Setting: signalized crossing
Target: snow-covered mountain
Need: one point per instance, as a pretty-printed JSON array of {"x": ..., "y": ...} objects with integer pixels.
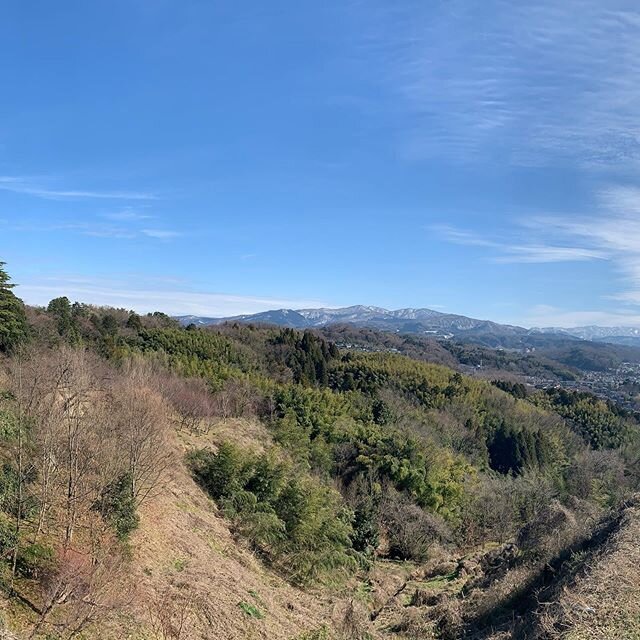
[
  {"x": 616, "y": 335},
  {"x": 430, "y": 323},
  {"x": 410, "y": 320}
]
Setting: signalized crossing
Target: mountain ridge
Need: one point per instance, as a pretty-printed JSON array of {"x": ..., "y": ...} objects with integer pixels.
[
  {"x": 425, "y": 321},
  {"x": 407, "y": 320},
  {"x": 354, "y": 313}
]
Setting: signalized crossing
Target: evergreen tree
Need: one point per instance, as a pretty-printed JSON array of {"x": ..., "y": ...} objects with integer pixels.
[
  {"x": 13, "y": 320},
  {"x": 118, "y": 506},
  {"x": 62, "y": 310},
  {"x": 109, "y": 325},
  {"x": 134, "y": 322}
]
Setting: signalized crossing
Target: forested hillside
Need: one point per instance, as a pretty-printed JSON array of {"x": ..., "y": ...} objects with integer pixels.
[{"x": 241, "y": 481}]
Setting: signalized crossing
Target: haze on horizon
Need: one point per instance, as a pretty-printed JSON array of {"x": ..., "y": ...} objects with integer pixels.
[{"x": 219, "y": 160}]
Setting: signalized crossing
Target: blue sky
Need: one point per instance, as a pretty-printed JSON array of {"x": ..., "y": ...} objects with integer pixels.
[{"x": 220, "y": 158}]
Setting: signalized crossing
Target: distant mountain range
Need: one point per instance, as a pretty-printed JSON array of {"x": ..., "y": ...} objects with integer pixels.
[
  {"x": 615, "y": 335},
  {"x": 405, "y": 320},
  {"x": 428, "y": 322}
]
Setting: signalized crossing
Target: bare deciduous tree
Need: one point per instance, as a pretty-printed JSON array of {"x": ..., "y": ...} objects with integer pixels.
[{"x": 80, "y": 588}]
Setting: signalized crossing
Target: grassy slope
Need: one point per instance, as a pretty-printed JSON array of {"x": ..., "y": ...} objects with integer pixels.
[
  {"x": 184, "y": 545},
  {"x": 187, "y": 568},
  {"x": 603, "y": 601}
]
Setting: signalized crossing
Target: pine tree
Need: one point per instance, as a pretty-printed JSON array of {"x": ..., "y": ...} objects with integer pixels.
[
  {"x": 61, "y": 310},
  {"x": 13, "y": 320}
]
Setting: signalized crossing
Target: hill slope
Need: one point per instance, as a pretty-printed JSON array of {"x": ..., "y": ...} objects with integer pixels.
[
  {"x": 601, "y": 601},
  {"x": 189, "y": 565}
]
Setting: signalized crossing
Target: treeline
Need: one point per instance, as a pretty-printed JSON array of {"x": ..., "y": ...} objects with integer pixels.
[{"x": 421, "y": 429}]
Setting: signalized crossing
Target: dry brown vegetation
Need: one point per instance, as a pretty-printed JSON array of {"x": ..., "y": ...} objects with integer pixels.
[
  {"x": 583, "y": 584},
  {"x": 191, "y": 571},
  {"x": 87, "y": 430},
  {"x": 182, "y": 574},
  {"x": 602, "y": 600}
]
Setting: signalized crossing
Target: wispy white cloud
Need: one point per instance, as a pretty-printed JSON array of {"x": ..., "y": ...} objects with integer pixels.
[
  {"x": 611, "y": 232},
  {"x": 160, "y": 234},
  {"x": 541, "y": 254},
  {"x": 27, "y": 186},
  {"x": 614, "y": 230},
  {"x": 98, "y": 229},
  {"x": 171, "y": 301},
  {"x": 462, "y": 236},
  {"x": 550, "y": 316},
  {"x": 536, "y": 83},
  {"x": 506, "y": 251},
  {"x": 127, "y": 215}
]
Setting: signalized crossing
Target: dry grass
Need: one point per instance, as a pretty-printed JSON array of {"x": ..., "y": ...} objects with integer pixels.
[
  {"x": 603, "y": 602},
  {"x": 243, "y": 432},
  {"x": 185, "y": 556}
]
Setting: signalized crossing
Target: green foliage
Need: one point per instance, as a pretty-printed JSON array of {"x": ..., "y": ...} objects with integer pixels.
[
  {"x": 251, "y": 610},
  {"x": 8, "y": 537},
  {"x": 511, "y": 449},
  {"x": 457, "y": 454},
  {"x": 109, "y": 325},
  {"x": 366, "y": 528},
  {"x": 11, "y": 501},
  {"x": 117, "y": 506},
  {"x": 307, "y": 356},
  {"x": 34, "y": 559},
  {"x": 14, "y": 329},
  {"x": 66, "y": 317},
  {"x": 422, "y": 429},
  {"x": 364, "y": 440},
  {"x": 516, "y": 389},
  {"x": 287, "y": 515},
  {"x": 598, "y": 421},
  {"x": 192, "y": 353},
  {"x": 429, "y": 385},
  {"x": 134, "y": 322},
  {"x": 9, "y": 488},
  {"x": 303, "y": 416},
  {"x": 380, "y": 412},
  {"x": 8, "y": 424}
]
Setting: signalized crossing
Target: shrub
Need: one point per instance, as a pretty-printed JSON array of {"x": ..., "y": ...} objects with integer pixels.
[
  {"x": 411, "y": 531},
  {"x": 251, "y": 610},
  {"x": 289, "y": 516},
  {"x": 489, "y": 513},
  {"x": 35, "y": 559},
  {"x": 117, "y": 506},
  {"x": 8, "y": 536}
]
